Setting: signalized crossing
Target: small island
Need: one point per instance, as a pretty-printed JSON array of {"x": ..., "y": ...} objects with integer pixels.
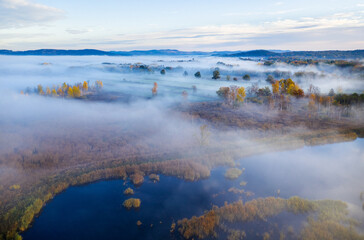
[
  {"x": 129, "y": 191},
  {"x": 233, "y": 173},
  {"x": 132, "y": 203}
]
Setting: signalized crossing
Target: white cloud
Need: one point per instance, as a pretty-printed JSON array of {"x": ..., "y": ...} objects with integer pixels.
[
  {"x": 238, "y": 36},
  {"x": 23, "y": 13},
  {"x": 78, "y": 31}
]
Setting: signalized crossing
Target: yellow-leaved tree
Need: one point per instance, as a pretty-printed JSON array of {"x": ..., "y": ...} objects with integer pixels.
[
  {"x": 76, "y": 91},
  {"x": 240, "y": 96},
  {"x": 48, "y": 91},
  {"x": 60, "y": 92},
  {"x": 85, "y": 86},
  {"x": 275, "y": 87},
  {"x": 70, "y": 92},
  {"x": 64, "y": 87},
  {"x": 54, "y": 93},
  {"x": 40, "y": 90}
]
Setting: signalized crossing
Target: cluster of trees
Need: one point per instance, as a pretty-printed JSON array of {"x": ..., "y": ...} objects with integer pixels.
[
  {"x": 233, "y": 95},
  {"x": 66, "y": 90},
  {"x": 154, "y": 177},
  {"x": 330, "y": 218},
  {"x": 132, "y": 203},
  {"x": 129, "y": 191}
]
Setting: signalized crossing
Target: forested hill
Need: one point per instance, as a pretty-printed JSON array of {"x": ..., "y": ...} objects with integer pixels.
[{"x": 354, "y": 54}]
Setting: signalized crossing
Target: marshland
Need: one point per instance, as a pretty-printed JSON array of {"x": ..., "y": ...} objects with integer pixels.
[{"x": 210, "y": 147}]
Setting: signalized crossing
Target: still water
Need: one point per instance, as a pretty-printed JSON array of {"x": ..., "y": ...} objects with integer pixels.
[{"x": 95, "y": 211}]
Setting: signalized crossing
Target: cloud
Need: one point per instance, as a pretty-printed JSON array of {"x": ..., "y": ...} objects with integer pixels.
[
  {"x": 78, "y": 31},
  {"x": 319, "y": 31},
  {"x": 23, "y": 13}
]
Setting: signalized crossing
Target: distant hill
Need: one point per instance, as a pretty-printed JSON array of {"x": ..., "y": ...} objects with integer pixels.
[{"x": 355, "y": 54}]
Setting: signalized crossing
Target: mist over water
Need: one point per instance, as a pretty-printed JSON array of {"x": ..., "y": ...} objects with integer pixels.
[
  {"x": 125, "y": 120},
  {"x": 320, "y": 172}
]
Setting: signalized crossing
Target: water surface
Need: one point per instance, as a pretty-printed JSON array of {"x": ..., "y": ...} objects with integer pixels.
[{"x": 95, "y": 211}]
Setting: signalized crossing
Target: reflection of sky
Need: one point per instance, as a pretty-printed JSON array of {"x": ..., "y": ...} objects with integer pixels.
[
  {"x": 94, "y": 211},
  {"x": 322, "y": 172}
]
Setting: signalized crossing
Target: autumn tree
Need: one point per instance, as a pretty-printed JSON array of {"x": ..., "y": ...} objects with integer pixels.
[
  {"x": 70, "y": 92},
  {"x": 64, "y": 87},
  {"x": 275, "y": 88},
  {"x": 155, "y": 89},
  {"x": 40, "y": 90},
  {"x": 85, "y": 86},
  {"x": 99, "y": 84},
  {"x": 60, "y": 92},
  {"x": 240, "y": 94},
  {"x": 76, "y": 91},
  {"x": 48, "y": 91},
  {"x": 54, "y": 93}
]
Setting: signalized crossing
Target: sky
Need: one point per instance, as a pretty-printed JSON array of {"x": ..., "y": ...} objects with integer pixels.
[{"x": 199, "y": 25}]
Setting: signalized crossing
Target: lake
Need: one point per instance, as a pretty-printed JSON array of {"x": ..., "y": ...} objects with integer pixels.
[{"x": 95, "y": 211}]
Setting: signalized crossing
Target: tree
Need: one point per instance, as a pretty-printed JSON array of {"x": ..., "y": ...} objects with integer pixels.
[
  {"x": 70, "y": 92},
  {"x": 60, "y": 92},
  {"x": 155, "y": 89},
  {"x": 246, "y": 77},
  {"x": 264, "y": 92},
  {"x": 198, "y": 75},
  {"x": 85, "y": 86},
  {"x": 223, "y": 92},
  {"x": 216, "y": 74},
  {"x": 270, "y": 79},
  {"x": 99, "y": 84},
  {"x": 40, "y": 90},
  {"x": 76, "y": 91},
  {"x": 64, "y": 87},
  {"x": 332, "y": 92},
  {"x": 54, "y": 93},
  {"x": 48, "y": 91},
  {"x": 241, "y": 94},
  {"x": 275, "y": 87}
]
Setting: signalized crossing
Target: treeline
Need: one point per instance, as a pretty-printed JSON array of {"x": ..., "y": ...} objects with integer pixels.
[
  {"x": 285, "y": 95},
  {"x": 66, "y": 90},
  {"x": 325, "y": 218}
]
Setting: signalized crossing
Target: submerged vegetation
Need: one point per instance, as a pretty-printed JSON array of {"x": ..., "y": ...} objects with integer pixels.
[
  {"x": 233, "y": 173},
  {"x": 331, "y": 221}
]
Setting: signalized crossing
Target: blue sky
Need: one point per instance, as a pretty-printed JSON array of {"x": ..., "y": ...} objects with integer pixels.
[{"x": 205, "y": 25}]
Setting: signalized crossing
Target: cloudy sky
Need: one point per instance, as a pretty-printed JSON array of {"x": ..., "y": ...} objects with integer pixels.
[{"x": 205, "y": 25}]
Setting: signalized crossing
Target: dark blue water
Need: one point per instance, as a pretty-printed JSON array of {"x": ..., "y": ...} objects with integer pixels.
[{"x": 95, "y": 211}]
